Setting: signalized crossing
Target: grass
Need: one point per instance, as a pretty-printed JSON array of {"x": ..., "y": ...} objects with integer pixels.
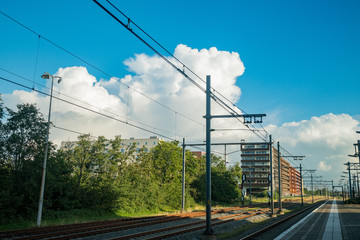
[
  {"x": 62, "y": 218},
  {"x": 88, "y": 215}
]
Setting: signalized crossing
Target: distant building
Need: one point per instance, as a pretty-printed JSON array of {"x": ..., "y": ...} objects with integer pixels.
[
  {"x": 255, "y": 160},
  {"x": 198, "y": 154},
  {"x": 139, "y": 143},
  {"x": 295, "y": 182}
]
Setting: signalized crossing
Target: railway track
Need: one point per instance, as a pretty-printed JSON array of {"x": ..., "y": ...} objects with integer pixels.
[
  {"x": 156, "y": 227},
  {"x": 278, "y": 222}
]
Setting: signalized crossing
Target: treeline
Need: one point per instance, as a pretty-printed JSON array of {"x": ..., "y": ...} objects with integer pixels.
[{"x": 95, "y": 174}]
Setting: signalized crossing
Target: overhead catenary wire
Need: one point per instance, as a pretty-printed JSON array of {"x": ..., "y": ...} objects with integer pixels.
[
  {"x": 69, "y": 130},
  {"x": 36, "y": 60},
  {"x": 213, "y": 95},
  {"x": 97, "y": 68},
  {"x": 55, "y": 91},
  {"x": 90, "y": 110},
  {"x": 215, "y": 98},
  {"x": 81, "y": 133},
  {"x": 88, "y": 104},
  {"x": 168, "y": 52}
]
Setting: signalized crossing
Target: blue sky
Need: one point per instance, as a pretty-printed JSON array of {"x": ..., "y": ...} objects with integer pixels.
[
  {"x": 301, "y": 58},
  {"x": 306, "y": 49}
]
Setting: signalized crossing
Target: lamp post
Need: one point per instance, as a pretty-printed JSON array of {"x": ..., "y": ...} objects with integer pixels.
[{"x": 45, "y": 76}]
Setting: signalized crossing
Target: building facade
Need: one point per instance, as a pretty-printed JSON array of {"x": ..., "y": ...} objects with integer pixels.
[
  {"x": 295, "y": 182},
  {"x": 198, "y": 154},
  {"x": 255, "y": 163}
]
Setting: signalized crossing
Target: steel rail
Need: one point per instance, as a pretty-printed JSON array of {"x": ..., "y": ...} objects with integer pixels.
[{"x": 271, "y": 226}]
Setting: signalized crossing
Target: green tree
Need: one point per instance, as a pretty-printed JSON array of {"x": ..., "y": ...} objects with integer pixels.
[
  {"x": 22, "y": 151},
  {"x": 81, "y": 160},
  {"x": 236, "y": 172},
  {"x": 25, "y": 132},
  {"x": 224, "y": 183}
]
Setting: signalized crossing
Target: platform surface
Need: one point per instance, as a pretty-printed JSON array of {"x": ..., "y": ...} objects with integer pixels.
[{"x": 332, "y": 220}]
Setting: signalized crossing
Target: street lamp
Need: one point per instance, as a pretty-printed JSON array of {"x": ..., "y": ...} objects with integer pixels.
[{"x": 45, "y": 76}]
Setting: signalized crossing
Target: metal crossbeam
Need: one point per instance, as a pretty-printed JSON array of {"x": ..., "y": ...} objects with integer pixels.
[
  {"x": 230, "y": 143},
  {"x": 248, "y": 118}
]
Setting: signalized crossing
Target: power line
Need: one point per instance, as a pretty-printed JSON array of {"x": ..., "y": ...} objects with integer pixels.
[
  {"x": 213, "y": 95},
  {"x": 68, "y": 130},
  {"x": 115, "y": 114},
  {"x": 97, "y": 68},
  {"x": 168, "y": 52},
  {"x": 215, "y": 98},
  {"x": 127, "y": 26},
  {"x": 88, "y": 109}
]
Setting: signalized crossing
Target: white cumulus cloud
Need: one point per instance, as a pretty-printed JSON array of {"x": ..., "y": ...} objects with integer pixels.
[
  {"x": 151, "y": 81},
  {"x": 324, "y": 140},
  {"x": 324, "y": 167}
]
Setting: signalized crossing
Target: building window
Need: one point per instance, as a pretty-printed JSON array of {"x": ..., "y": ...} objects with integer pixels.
[{"x": 248, "y": 146}]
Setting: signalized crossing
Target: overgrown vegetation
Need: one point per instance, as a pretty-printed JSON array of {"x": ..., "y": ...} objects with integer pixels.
[{"x": 95, "y": 176}]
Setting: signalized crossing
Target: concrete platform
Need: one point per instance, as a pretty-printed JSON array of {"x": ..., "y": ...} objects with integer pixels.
[
  {"x": 332, "y": 220},
  {"x": 349, "y": 220}
]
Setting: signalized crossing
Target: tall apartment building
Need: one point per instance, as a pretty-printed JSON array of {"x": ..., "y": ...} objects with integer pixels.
[
  {"x": 295, "y": 182},
  {"x": 255, "y": 160}
]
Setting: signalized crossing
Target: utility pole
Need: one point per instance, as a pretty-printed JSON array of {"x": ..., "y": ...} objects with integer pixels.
[
  {"x": 301, "y": 182},
  {"x": 350, "y": 188},
  {"x": 208, "y": 230},
  {"x": 299, "y": 158},
  {"x": 183, "y": 179},
  {"x": 351, "y": 193},
  {"x": 272, "y": 180},
  {"x": 250, "y": 186},
  {"x": 357, "y": 178},
  {"x": 311, "y": 171},
  {"x": 354, "y": 185},
  {"x": 312, "y": 188},
  {"x": 248, "y": 118},
  {"x": 225, "y": 155},
  {"x": 279, "y": 174},
  {"x": 326, "y": 193}
]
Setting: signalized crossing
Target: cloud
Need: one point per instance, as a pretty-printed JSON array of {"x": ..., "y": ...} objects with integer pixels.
[
  {"x": 324, "y": 167},
  {"x": 151, "y": 81},
  {"x": 325, "y": 140},
  {"x": 330, "y": 129}
]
